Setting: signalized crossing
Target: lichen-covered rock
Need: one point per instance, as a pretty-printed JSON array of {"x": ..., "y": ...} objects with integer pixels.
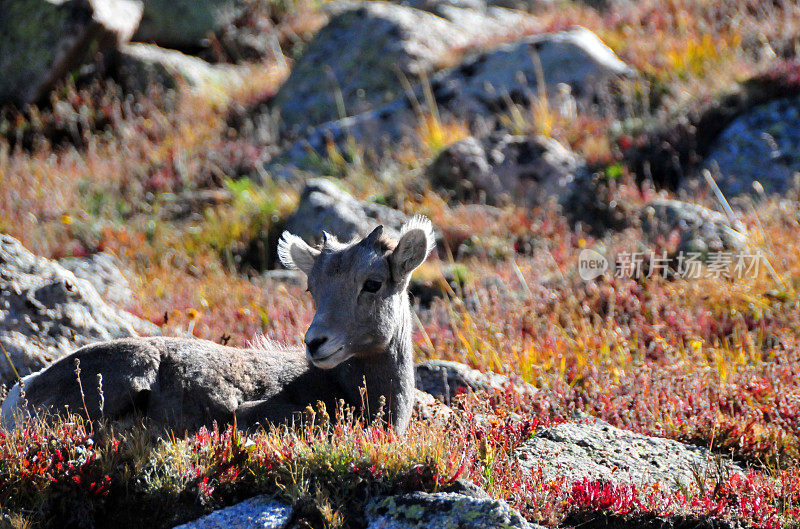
[
  {"x": 595, "y": 450},
  {"x": 42, "y": 40},
  {"x": 261, "y": 512},
  {"x": 183, "y": 24},
  {"x": 502, "y": 168},
  {"x": 701, "y": 230},
  {"x": 445, "y": 379},
  {"x": 762, "y": 145},
  {"x": 442, "y": 509},
  {"x": 104, "y": 272},
  {"x": 324, "y": 206},
  {"x": 362, "y": 55},
  {"x": 46, "y": 312},
  {"x": 140, "y": 66}
]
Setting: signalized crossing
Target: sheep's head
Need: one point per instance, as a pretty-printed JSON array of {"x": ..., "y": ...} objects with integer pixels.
[{"x": 359, "y": 289}]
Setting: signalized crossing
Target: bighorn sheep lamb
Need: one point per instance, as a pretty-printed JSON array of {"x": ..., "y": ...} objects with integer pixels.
[{"x": 361, "y": 333}]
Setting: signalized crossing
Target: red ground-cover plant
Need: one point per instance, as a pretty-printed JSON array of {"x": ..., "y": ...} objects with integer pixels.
[{"x": 752, "y": 498}]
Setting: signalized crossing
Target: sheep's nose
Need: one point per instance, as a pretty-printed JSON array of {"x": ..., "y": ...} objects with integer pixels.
[{"x": 314, "y": 344}]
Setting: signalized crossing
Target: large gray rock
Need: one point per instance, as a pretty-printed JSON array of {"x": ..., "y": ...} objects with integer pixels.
[
  {"x": 700, "y": 229},
  {"x": 141, "y": 65},
  {"x": 595, "y": 450},
  {"x": 762, "y": 145},
  {"x": 444, "y": 379},
  {"x": 576, "y": 58},
  {"x": 260, "y": 512},
  {"x": 46, "y": 312},
  {"x": 366, "y": 50},
  {"x": 420, "y": 510},
  {"x": 502, "y": 168},
  {"x": 43, "y": 40},
  {"x": 324, "y": 206},
  {"x": 479, "y": 90},
  {"x": 104, "y": 272},
  {"x": 183, "y": 24}
]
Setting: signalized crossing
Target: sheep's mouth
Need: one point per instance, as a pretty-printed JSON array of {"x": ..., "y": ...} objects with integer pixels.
[{"x": 317, "y": 360}]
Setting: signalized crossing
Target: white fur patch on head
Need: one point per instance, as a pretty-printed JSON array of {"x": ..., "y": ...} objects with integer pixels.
[
  {"x": 295, "y": 254},
  {"x": 419, "y": 222},
  {"x": 415, "y": 244},
  {"x": 285, "y": 250}
]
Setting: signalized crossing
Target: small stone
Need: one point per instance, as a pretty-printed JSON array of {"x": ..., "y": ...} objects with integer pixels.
[
  {"x": 324, "y": 206},
  {"x": 700, "y": 229},
  {"x": 445, "y": 379},
  {"x": 442, "y": 509},
  {"x": 261, "y": 512},
  {"x": 524, "y": 170}
]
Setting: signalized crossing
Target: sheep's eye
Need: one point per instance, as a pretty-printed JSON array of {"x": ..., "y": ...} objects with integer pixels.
[{"x": 372, "y": 286}]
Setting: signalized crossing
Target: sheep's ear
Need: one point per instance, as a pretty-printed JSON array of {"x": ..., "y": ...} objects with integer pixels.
[
  {"x": 416, "y": 242},
  {"x": 294, "y": 253}
]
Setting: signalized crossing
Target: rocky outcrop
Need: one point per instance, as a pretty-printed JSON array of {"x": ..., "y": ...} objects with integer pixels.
[
  {"x": 46, "y": 312},
  {"x": 261, "y": 512},
  {"x": 761, "y": 145},
  {"x": 104, "y": 272},
  {"x": 480, "y": 89},
  {"x": 45, "y": 40},
  {"x": 676, "y": 149},
  {"x": 361, "y": 58},
  {"x": 700, "y": 229},
  {"x": 501, "y": 169},
  {"x": 595, "y": 450},
  {"x": 445, "y": 379},
  {"x": 140, "y": 66},
  {"x": 420, "y": 510},
  {"x": 576, "y": 58},
  {"x": 183, "y": 24},
  {"x": 474, "y": 510},
  {"x": 324, "y": 206}
]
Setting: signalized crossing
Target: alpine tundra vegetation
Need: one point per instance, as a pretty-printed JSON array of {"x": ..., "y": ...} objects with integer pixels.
[{"x": 607, "y": 334}]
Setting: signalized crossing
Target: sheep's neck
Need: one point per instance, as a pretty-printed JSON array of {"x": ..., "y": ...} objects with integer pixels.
[{"x": 389, "y": 374}]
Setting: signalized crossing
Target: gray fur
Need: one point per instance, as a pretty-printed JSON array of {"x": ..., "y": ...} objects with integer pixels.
[{"x": 182, "y": 384}]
